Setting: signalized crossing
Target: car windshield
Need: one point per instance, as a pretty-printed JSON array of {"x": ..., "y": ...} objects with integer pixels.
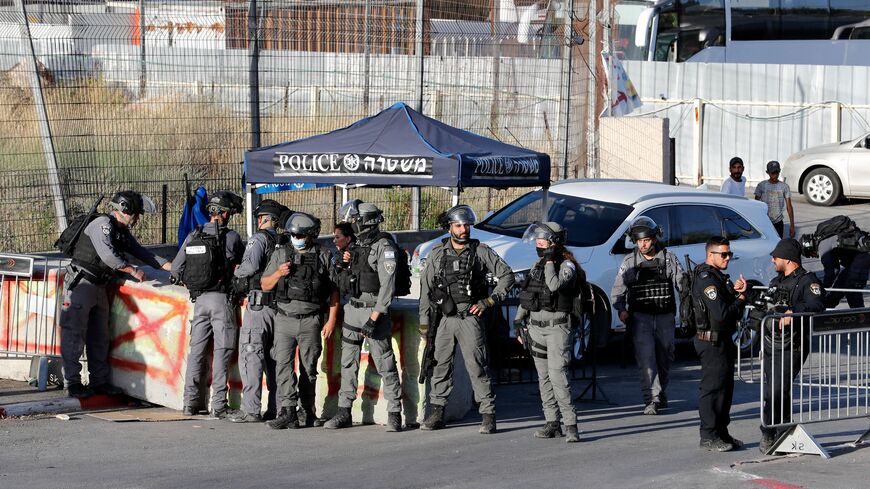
[{"x": 589, "y": 222}]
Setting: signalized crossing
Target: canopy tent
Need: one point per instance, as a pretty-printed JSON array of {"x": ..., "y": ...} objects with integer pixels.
[{"x": 397, "y": 147}]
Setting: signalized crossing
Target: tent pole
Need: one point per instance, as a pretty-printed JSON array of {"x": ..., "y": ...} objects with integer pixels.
[
  {"x": 249, "y": 210},
  {"x": 544, "y": 204},
  {"x": 344, "y": 195},
  {"x": 454, "y": 199}
]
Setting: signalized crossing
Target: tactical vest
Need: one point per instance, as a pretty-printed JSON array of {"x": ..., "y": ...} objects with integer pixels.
[
  {"x": 782, "y": 301},
  {"x": 652, "y": 292},
  {"x": 308, "y": 280},
  {"x": 206, "y": 267},
  {"x": 86, "y": 258},
  {"x": 464, "y": 274},
  {"x": 363, "y": 278},
  {"x": 271, "y": 241},
  {"x": 723, "y": 288},
  {"x": 536, "y": 296}
]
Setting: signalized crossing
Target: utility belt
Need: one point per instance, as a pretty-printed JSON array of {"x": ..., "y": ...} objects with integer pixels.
[
  {"x": 297, "y": 316},
  {"x": 362, "y": 304},
  {"x": 551, "y": 322},
  {"x": 708, "y": 336},
  {"x": 80, "y": 272},
  {"x": 258, "y": 299}
]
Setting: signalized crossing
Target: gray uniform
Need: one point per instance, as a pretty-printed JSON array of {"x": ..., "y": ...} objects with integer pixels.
[
  {"x": 553, "y": 340},
  {"x": 214, "y": 317},
  {"x": 652, "y": 334},
  {"x": 356, "y": 312},
  {"x": 463, "y": 327},
  {"x": 255, "y": 337},
  {"x": 84, "y": 316},
  {"x": 297, "y": 326}
]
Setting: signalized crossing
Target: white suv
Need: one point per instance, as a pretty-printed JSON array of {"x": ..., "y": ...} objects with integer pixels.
[{"x": 597, "y": 214}]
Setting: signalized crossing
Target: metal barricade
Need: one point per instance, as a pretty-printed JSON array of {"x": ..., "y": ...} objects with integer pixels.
[
  {"x": 814, "y": 368},
  {"x": 30, "y": 301}
]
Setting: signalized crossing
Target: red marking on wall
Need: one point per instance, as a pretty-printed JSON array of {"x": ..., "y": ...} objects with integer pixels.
[{"x": 25, "y": 325}]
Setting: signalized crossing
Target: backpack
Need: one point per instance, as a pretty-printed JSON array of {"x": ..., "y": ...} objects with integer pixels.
[
  {"x": 835, "y": 226},
  {"x": 206, "y": 264},
  {"x": 66, "y": 243},
  {"x": 242, "y": 286},
  {"x": 582, "y": 303},
  {"x": 687, "y": 302},
  {"x": 403, "y": 268}
]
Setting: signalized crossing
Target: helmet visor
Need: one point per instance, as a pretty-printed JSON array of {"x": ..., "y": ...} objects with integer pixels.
[
  {"x": 537, "y": 231},
  {"x": 462, "y": 214},
  {"x": 148, "y": 205},
  {"x": 348, "y": 212}
]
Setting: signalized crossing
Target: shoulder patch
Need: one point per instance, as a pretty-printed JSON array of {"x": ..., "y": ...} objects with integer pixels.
[
  {"x": 815, "y": 289},
  {"x": 704, "y": 274},
  {"x": 106, "y": 228},
  {"x": 389, "y": 255},
  {"x": 710, "y": 292},
  {"x": 570, "y": 264},
  {"x": 390, "y": 266}
]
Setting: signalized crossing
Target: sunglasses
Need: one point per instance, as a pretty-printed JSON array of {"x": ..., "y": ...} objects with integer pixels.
[
  {"x": 299, "y": 236},
  {"x": 723, "y": 254}
]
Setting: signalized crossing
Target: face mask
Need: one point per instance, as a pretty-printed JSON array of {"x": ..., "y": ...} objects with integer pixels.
[
  {"x": 541, "y": 251},
  {"x": 299, "y": 244}
]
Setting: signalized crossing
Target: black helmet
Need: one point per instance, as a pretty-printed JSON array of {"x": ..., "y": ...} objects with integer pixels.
[
  {"x": 225, "y": 201},
  {"x": 362, "y": 216},
  {"x": 269, "y": 207},
  {"x": 302, "y": 223},
  {"x": 462, "y": 214},
  {"x": 643, "y": 227},
  {"x": 132, "y": 203},
  {"x": 551, "y": 231}
]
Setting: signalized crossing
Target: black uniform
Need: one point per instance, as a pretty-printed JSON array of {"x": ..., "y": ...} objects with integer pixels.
[
  {"x": 717, "y": 309},
  {"x": 801, "y": 292}
]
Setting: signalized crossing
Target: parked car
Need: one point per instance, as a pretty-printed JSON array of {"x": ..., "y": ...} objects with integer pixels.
[
  {"x": 597, "y": 214},
  {"x": 825, "y": 174}
]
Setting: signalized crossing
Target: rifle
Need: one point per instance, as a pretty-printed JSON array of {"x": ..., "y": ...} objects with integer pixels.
[
  {"x": 75, "y": 237},
  {"x": 427, "y": 365}
]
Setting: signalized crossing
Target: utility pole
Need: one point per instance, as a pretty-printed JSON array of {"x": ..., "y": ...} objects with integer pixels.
[{"x": 42, "y": 119}]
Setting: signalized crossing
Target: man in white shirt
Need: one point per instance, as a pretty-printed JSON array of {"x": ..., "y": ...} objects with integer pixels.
[{"x": 736, "y": 183}]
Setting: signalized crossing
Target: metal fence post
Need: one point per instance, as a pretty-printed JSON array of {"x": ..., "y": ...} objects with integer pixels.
[
  {"x": 418, "y": 39},
  {"x": 254, "y": 72},
  {"x": 698, "y": 140},
  {"x": 143, "y": 69},
  {"x": 592, "y": 95},
  {"x": 42, "y": 119}
]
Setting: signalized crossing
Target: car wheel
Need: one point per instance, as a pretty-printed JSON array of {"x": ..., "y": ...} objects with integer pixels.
[{"x": 822, "y": 187}]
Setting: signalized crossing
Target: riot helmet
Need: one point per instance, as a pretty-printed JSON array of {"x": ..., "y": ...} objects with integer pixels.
[
  {"x": 132, "y": 203},
  {"x": 269, "y": 207},
  {"x": 362, "y": 216},
  {"x": 300, "y": 223},
  {"x": 643, "y": 227},
  {"x": 461, "y": 214},
  {"x": 224, "y": 201},
  {"x": 550, "y": 231}
]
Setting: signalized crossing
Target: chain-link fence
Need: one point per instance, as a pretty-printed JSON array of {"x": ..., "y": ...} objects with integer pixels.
[{"x": 97, "y": 96}]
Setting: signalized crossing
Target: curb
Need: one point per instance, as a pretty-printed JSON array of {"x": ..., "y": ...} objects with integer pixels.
[{"x": 60, "y": 405}]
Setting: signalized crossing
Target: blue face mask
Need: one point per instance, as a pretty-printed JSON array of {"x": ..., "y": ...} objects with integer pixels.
[{"x": 299, "y": 244}]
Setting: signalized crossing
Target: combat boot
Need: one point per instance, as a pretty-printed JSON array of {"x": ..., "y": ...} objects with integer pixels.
[
  {"x": 308, "y": 418},
  {"x": 550, "y": 430},
  {"x": 768, "y": 438},
  {"x": 487, "y": 426},
  {"x": 287, "y": 418},
  {"x": 394, "y": 422},
  {"x": 571, "y": 435},
  {"x": 342, "y": 419},
  {"x": 79, "y": 391},
  {"x": 435, "y": 420}
]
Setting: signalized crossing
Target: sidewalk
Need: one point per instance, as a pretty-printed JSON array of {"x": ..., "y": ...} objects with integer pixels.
[{"x": 21, "y": 399}]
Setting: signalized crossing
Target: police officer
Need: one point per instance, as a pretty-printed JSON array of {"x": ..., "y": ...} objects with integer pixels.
[
  {"x": 97, "y": 259},
  {"x": 643, "y": 294},
  {"x": 547, "y": 302},
  {"x": 298, "y": 277},
  {"x": 454, "y": 279},
  {"x": 205, "y": 264},
  {"x": 718, "y": 306},
  {"x": 255, "y": 337},
  {"x": 367, "y": 274},
  {"x": 800, "y": 292},
  {"x": 844, "y": 269}
]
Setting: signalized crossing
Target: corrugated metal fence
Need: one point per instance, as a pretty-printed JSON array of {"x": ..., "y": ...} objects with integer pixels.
[{"x": 757, "y": 112}]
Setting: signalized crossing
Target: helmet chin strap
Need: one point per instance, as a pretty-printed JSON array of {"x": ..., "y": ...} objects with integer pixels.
[{"x": 458, "y": 240}]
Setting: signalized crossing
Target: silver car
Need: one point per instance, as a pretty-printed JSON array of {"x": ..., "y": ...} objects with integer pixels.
[{"x": 825, "y": 174}]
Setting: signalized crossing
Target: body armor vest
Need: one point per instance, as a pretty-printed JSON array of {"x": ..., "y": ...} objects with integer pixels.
[
  {"x": 652, "y": 292},
  {"x": 536, "y": 296},
  {"x": 363, "y": 278},
  {"x": 308, "y": 280},
  {"x": 464, "y": 275},
  {"x": 86, "y": 258},
  {"x": 271, "y": 240}
]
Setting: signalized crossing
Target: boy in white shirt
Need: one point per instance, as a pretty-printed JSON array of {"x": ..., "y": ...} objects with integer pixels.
[{"x": 736, "y": 183}]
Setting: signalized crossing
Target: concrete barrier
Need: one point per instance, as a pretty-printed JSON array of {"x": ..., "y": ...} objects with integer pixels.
[{"x": 149, "y": 323}]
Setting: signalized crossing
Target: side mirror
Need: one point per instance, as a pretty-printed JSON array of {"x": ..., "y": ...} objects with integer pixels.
[
  {"x": 641, "y": 33},
  {"x": 867, "y": 142},
  {"x": 623, "y": 246}
]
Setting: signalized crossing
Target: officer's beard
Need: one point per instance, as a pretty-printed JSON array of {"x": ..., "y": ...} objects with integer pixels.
[{"x": 461, "y": 240}]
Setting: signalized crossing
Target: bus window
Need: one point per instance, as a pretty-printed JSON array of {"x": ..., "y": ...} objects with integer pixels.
[
  {"x": 755, "y": 20},
  {"x": 804, "y": 19},
  {"x": 688, "y": 26},
  {"x": 845, "y": 12}
]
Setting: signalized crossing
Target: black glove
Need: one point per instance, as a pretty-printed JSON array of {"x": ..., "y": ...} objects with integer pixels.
[
  {"x": 549, "y": 254},
  {"x": 368, "y": 329}
]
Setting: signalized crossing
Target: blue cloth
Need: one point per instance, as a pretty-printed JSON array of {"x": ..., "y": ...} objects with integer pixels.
[
  {"x": 398, "y": 146},
  {"x": 194, "y": 213}
]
